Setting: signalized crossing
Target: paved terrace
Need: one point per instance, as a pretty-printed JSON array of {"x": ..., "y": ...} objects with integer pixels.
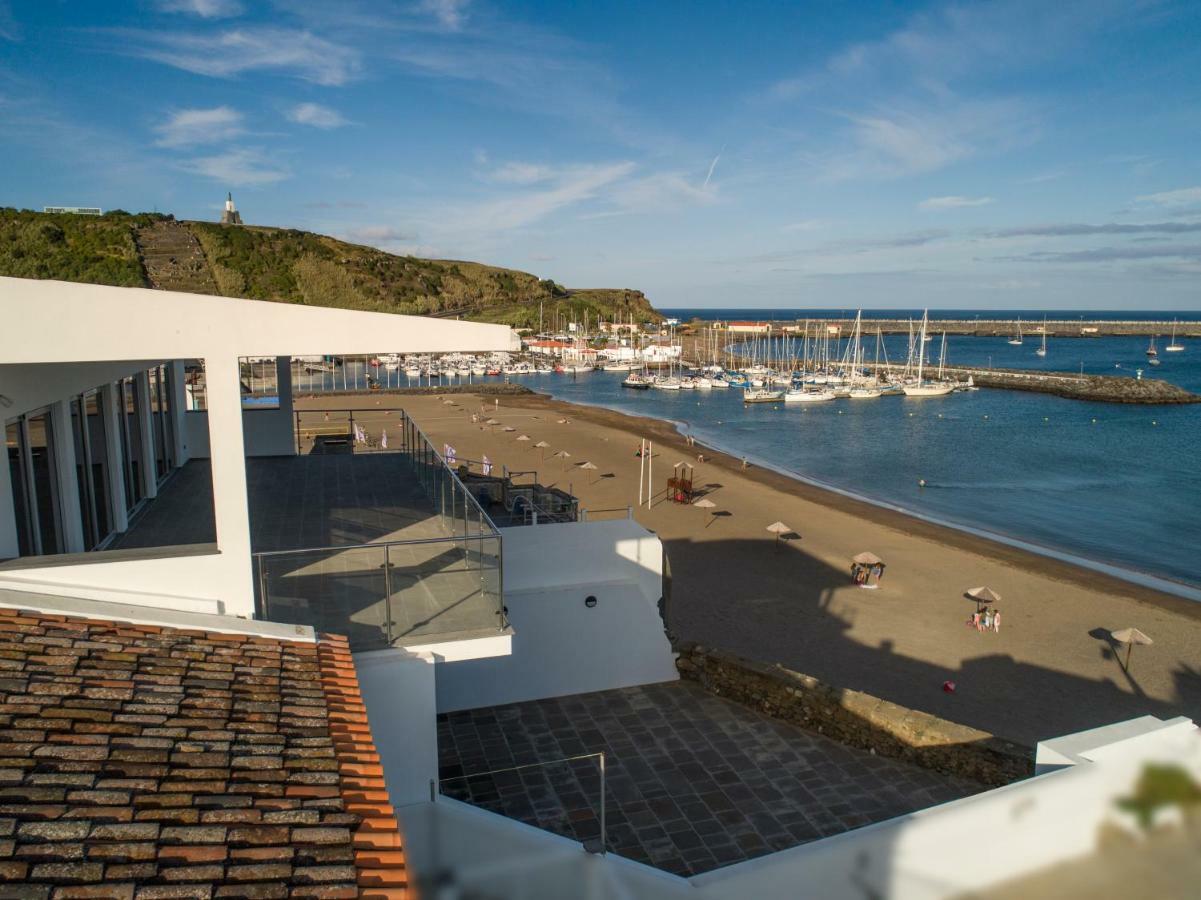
[
  {"x": 337, "y": 500},
  {"x": 695, "y": 782}
]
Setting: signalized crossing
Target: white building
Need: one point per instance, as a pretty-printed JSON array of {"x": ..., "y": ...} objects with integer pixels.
[{"x": 102, "y": 448}]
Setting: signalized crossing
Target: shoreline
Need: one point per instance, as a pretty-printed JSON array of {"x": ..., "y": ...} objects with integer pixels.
[{"x": 1056, "y": 564}]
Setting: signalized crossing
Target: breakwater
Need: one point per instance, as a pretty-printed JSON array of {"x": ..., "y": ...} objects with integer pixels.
[
  {"x": 1099, "y": 388},
  {"x": 993, "y": 327}
]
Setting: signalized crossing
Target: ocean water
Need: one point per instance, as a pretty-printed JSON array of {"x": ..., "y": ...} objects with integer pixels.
[
  {"x": 686, "y": 314},
  {"x": 1118, "y": 485}
]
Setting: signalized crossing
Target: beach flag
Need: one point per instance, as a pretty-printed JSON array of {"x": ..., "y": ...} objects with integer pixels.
[
  {"x": 487, "y": 465},
  {"x": 450, "y": 455},
  {"x": 383, "y": 439}
]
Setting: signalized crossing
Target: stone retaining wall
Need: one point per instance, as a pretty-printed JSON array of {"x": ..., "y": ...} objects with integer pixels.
[{"x": 858, "y": 719}]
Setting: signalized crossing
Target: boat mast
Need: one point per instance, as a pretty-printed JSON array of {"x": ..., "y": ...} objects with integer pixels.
[{"x": 921, "y": 347}]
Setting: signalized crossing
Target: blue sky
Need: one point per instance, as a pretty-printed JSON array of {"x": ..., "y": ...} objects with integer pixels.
[{"x": 1012, "y": 154}]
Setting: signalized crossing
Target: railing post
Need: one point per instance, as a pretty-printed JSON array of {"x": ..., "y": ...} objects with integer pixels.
[
  {"x": 603, "y": 834},
  {"x": 388, "y": 594}
]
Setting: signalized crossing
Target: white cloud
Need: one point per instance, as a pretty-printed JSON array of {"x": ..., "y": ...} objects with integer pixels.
[
  {"x": 229, "y": 53},
  {"x": 954, "y": 202},
  {"x": 449, "y": 13},
  {"x": 804, "y": 225},
  {"x": 316, "y": 115},
  {"x": 568, "y": 186},
  {"x": 240, "y": 167},
  {"x": 206, "y": 9},
  {"x": 519, "y": 172},
  {"x": 189, "y": 127},
  {"x": 661, "y": 192},
  {"x": 1180, "y": 197}
]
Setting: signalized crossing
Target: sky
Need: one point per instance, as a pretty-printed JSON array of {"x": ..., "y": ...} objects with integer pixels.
[{"x": 803, "y": 154}]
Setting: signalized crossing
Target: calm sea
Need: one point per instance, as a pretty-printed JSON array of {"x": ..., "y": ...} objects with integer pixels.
[
  {"x": 1118, "y": 485},
  {"x": 685, "y": 314}
]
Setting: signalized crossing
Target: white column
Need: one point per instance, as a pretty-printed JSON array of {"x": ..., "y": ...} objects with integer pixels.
[
  {"x": 227, "y": 454},
  {"x": 178, "y": 411},
  {"x": 283, "y": 378},
  {"x": 111, "y": 400},
  {"x": 149, "y": 456},
  {"x": 68, "y": 482}
]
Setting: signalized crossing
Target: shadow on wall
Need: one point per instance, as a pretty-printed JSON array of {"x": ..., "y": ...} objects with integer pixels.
[{"x": 787, "y": 619}]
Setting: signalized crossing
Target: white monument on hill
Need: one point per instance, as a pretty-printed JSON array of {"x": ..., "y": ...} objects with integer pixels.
[{"x": 230, "y": 216}]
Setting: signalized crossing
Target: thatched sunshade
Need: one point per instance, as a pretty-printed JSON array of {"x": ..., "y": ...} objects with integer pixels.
[
  {"x": 867, "y": 559},
  {"x": 1130, "y": 637},
  {"x": 779, "y": 529},
  {"x": 983, "y": 596}
]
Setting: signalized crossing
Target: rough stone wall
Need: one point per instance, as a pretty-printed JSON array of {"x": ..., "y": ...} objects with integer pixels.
[{"x": 858, "y": 719}]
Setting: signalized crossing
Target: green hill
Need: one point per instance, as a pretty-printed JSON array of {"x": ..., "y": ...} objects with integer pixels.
[{"x": 289, "y": 266}]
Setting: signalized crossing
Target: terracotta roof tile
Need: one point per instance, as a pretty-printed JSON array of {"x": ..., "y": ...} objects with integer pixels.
[{"x": 146, "y": 763}]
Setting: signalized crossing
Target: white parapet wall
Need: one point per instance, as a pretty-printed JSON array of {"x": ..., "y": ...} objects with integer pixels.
[{"x": 583, "y": 602}]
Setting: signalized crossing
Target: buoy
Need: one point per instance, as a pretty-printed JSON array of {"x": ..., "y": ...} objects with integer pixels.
[
  {"x": 911, "y": 415},
  {"x": 986, "y": 417},
  {"x": 921, "y": 482},
  {"x": 940, "y": 415},
  {"x": 948, "y": 687},
  {"x": 1046, "y": 419},
  {"x": 1153, "y": 422},
  {"x": 840, "y": 412},
  {"x": 1094, "y": 421}
]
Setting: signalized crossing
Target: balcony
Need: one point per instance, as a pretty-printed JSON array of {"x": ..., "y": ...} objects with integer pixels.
[{"x": 384, "y": 544}]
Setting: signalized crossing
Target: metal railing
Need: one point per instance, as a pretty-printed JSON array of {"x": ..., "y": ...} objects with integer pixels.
[
  {"x": 395, "y": 592},
  {"x": 477, "y": 786}
]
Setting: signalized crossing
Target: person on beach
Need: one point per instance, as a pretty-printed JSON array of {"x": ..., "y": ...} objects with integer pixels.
[
  {"x": 996, "y": 621},
  {"x": 988, "y": 620},
  {"x": 744, "y": 462},
  {"x": 976, "y": 620}
]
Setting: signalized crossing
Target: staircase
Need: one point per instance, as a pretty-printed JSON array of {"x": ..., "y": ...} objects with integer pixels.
[{"x": 173, "y": 259}]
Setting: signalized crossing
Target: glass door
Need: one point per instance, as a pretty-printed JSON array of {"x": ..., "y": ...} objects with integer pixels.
[
  {"x": 131, "y": 442},
  {"x": 18, "y": 459},
  {"x": 91, "y": 467},
  {"x": 39, "y": 440}
]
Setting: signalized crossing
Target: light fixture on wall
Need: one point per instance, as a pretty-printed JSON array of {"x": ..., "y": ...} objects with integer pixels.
[{"x": 590, "y": 601}]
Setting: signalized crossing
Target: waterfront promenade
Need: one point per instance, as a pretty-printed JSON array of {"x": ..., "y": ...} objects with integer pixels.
[{"x": 1051, "y": 670}]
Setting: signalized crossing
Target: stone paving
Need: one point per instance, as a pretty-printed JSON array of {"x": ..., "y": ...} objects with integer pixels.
[{"x": 694, "y": 782}]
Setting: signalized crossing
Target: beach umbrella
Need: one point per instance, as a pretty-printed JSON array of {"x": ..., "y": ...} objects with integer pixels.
[
  {"x": 778, "y": 529},
  {"x": 983, "y": 596},
  {"x": 1130, "y": 637},
  {"x": 590, "y": 466},
  {"x": 523, "y": 437},
  {"x": 542, "y": 445},
  {"x": 563, "y": 455},
  {"x": 509, "y": 428},
  {"x": 705, "y": 503},
  {"x": 866, "y": 559},
  {"x": 565, "y": 421}
]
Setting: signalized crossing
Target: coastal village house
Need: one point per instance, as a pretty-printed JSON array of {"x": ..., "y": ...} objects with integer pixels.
[{"x": 228, "y": 631}]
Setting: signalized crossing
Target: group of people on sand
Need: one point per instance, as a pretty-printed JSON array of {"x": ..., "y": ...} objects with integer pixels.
[{"x": 987, "y": 620}]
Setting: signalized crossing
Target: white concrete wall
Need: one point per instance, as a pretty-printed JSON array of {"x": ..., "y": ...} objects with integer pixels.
[
  {"x": 560, "y": 645},
  {"x": 398, "y": 690}
]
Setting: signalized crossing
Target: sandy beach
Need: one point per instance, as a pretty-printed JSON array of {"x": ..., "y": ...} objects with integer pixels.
[{"x": 1051, "y": 670}]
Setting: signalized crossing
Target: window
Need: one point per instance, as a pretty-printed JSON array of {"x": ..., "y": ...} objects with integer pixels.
[
  {"x": 91, "y": 467},
  {"x": 30, "y": 441},
  {"x": 131, "y": 441},
  {"x": 161, "y": 420}
]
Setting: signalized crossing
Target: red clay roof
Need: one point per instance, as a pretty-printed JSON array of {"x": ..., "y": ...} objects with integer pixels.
[{"x": 148, "y": 763}]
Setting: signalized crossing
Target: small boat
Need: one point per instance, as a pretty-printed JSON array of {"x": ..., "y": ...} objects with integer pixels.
[
  {"x": 1016, "y": 340},
  {"x": 1042, "y": 351},
  {"x": 1174, "y": 347},
  {"x": 865, "y": 393},
  {"x": 636, "y": 382},
  {"x": 801, "y": 396},
  {"x": 618, "y": 367},
  {"x": 761, "y": 395},
  {"x": 1151, "y": 351}
]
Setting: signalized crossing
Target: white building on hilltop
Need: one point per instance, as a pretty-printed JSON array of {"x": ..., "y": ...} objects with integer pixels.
[{"x": 279, "y": 525}]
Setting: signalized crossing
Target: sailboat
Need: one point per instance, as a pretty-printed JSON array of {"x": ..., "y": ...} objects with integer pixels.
[
  {"x": 1151, "y": 351},
  {"x": 1042, "y": 351},
  {"x": 926, "y": 388},
  {"x": 1017, "y": 339},
  {"x": 1174, "y": 347}
]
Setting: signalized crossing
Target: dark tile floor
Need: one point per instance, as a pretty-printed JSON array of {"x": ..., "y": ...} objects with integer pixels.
[{"x": 694, "y": 782}]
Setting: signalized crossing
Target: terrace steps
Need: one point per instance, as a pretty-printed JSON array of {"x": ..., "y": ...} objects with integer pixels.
[{"x": 173, "y": 259}]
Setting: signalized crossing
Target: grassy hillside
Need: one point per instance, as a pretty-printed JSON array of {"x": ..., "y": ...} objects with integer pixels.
[
  {"x": 290, "y": 266},
  {"x": 72, "y": 248}
]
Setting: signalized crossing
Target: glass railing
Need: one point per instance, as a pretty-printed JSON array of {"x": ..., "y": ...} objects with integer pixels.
[
  {"x": 572, "y": 788},
  {"x": 397, "y": 593},
  {"x": 391, "y": 592}
]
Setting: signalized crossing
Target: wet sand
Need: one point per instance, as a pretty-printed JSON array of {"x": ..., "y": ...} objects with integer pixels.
[{"x": 1051, "y": 670}]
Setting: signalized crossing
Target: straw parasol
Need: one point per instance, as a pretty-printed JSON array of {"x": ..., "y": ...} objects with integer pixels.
[
  {"x": 591, "y": 466},
  {"x": 1130, "y": 637},
  {"x": 778, "y": 529},
  {"x": 523, "y": 437},
  {"x": 867, "y": 559},
  {"x": 542, "y": 445},
  {"x": 508, "y": 428},
  {"x": 983, "y": 596},
  {"x": 563, "y": 455},
  {"x": 705, "y": 503}
]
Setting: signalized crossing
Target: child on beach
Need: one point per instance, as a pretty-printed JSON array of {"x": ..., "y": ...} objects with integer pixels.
[
  {"x": 988, "y": 620},
  {"x": 996, "y": 621}
]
